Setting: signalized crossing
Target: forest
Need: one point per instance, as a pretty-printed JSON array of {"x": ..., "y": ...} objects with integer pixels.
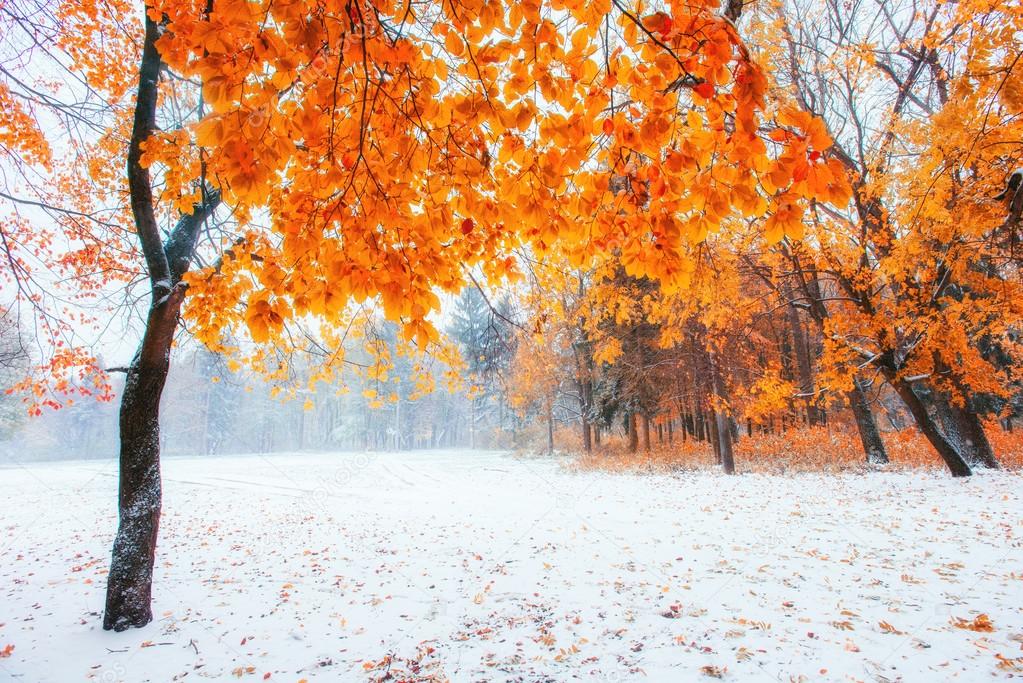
[{"x": 258, "y": 249}]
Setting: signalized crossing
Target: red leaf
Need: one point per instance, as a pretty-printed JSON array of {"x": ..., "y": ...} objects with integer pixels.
[{"x": 705, "y": 90}]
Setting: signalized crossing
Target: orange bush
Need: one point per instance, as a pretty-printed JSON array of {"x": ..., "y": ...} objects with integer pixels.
[{"x": 818, "y": 449}]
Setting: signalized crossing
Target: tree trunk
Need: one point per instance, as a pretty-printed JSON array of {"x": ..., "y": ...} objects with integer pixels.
[
  {"x": 962, "y": 422},
  {"x": 866, "y": 424},
  {"x": 969, "y": 432},
  {"x": 130, "y": 582},
  {"x": 587, "y": 435},
  {"x": 804, "y": 368},
  {"x": 723, "y": 428},
  {"x": 585, "y": 400},
  {"x": 715, "y": 442},
  {"x": 725, "y": 455},
  {"x": 973, "y": 430},
  {"x": 646, "y": 433},
  {"x": 948, "y": 452},
  {"x": 633, "y": 433}
]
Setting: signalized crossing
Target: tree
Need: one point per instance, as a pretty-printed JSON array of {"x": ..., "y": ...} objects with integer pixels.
[
  {"x": 920, "y": 232},
  {"x": 14, "y": 362},
  {"x": 484, "y": 333}
]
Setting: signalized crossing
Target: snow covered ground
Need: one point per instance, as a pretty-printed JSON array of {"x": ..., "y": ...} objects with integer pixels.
[{"x": 484, "y": 567}]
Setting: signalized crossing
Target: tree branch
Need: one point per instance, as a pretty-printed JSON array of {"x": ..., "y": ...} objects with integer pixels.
[{"x": 139, "y": 184}]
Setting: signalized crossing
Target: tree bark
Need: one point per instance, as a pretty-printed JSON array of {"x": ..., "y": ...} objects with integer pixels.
[
  {"x": 974, "y": 437},
  {"x": 955, "y": 462},
  {"x": 964, "y": 429},
  {"x": 715, "y": 443},
  {"x": 962, "y": 422},
  {"x": 721, "y": 421},
  {"x": 866, "y": 424},
  {"x": 727, "y": 456},
  {"x": 804, "y": 368},
  {"x": 129, "y": 584},
  {"x": 633, "y": 433},
  {"x": 646, "y": 433},
  {"x": 585, "y": 401}
]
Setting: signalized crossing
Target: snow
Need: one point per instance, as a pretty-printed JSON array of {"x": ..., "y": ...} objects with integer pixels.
[{"x": 482, "y": 566}]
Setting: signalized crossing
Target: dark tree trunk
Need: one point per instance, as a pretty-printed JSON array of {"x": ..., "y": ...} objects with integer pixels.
[
  {"x": 585, "y": 401},
  {"x": 946, "y": 449},
  {"x": 725, "y": 455},
  {"x": 715, "y": 442},
  {"x": 587, "y": 438},
  {"x": 804, "y": 368},
  {"x": 646, "y": 433},
  {"x": 972, "y": 430},
  {"x": 725, "y": 444},
  {"x": 633, "y": 433},
  {"x": 723, "y": 428},
  {"x": 866, "y": 424},
  {"x": 962, "y": 422},
  {"x": 966, "y": 430},
  {"x": 129, "y": 584}
]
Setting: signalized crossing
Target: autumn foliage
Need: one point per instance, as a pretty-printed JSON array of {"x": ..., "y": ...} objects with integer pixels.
[
  {"x": 701, "y": 210},
  {"x": 873, "y": 266}
]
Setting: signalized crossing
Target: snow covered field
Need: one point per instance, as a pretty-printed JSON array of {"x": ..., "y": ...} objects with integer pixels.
[{"x": 484, "y": 567}]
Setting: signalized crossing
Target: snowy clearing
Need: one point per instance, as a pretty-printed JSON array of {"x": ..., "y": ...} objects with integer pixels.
[{"x": 485, "y": 567}]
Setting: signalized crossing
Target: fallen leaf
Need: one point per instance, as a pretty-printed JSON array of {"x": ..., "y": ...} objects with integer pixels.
[
  {"x": 888, "y": 628},
  {"x": 1008, "y": 664},
  {"x": 981, "y": 623}
]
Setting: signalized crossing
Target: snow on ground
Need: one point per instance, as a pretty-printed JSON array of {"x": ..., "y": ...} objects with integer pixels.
[{"x": 485, "y": 567}]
